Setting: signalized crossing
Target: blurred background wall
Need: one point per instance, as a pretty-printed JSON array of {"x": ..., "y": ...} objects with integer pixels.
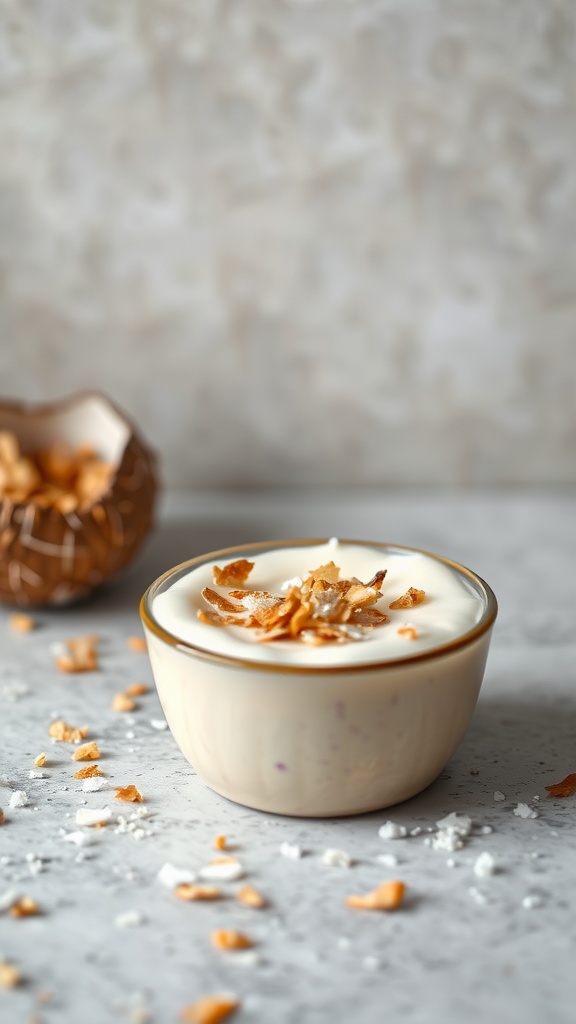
[{"x": 298, "y": 241}]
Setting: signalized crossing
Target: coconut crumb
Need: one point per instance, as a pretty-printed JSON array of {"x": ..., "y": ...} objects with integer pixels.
[
  {"x": 24, "y": 906},
  {"x": 171, "y": 876},
  {"x": 391, "y": 830},
  {"x": 228, "y": 939},
  {"x": 19, "y": 622},
  {"x": 485, "y": 865},
  {"x": 19, "y": 798},
  {"x": 227, "y": 869},
  {"x": 136, "y": 689},
  {"x": 525, "y": 811},
  {"x": 87, "y": 752},
  {"x": 129, "y": 793},
  {"x": 210, "y": 1009},
  {"x": 192, "y": 892},
  {"x": 93, "y": 817},
  {"x": 89, "y": 772},
  {"x": 292, "y": 851},
  {"x": 249, "y": 895},
  {"x": 136, "y": 643},
  {"x": 122, "y": 702},
  {"x": 336, "y": 859},
  {"x": 10, "y": 975},
  {"x": 387, "y": 896},
  {"x": 64, "y": 733}
]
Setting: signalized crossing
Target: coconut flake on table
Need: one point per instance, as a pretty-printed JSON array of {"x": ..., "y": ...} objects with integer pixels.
[
  {"x": 291, "y": 850},
  {"x": 93, "y": 816},
  {"x": 485, "y": 865},
  {"x": 159, "y": 723},
  {"x": 336, "y": 859},
  {"x": 171, "y": 876},
  {"x": 498, "y": 795},
  {"x": 226, "y": 870},
  {"x": 389, "y": 860},
  {"x": 391, "y": 830},
  {"x": 452, "y": 830},
  {"x": 525, "y": 811},
  {"x": 7, "y": 899},
  {"x": 19, "y": 798},
  {"x": 79, "y": 838},
  {"x": 92, "y": 785},
  {"x": 531, "y": 902},
  {"x": 129, "y": 919}
]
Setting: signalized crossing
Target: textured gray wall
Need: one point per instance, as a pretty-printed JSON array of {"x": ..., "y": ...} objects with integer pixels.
[{"x": 298, "y": 241}]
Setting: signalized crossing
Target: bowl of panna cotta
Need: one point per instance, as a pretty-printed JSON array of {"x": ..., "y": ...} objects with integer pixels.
[{"x": 318, "y": 678}]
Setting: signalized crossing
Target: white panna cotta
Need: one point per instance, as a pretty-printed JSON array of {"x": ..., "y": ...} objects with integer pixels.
[{"x": 451, "y": 606}]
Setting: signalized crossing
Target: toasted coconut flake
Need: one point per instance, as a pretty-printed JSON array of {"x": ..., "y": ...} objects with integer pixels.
[
  {"x": 232, "y": 575},
  {"x": 10, "y": 975},
  {"x": 89, "y": 772},
  {"x": 64, "y": 733},
  {"x": 87, "y": 752},
  {"x": 564, "y": 788},
  {"x": 321, "y": 609},
  {"x": 129, "y": 793},
  {"x": 410, "y": 599},
  {"x": 377, "y": 579},
  {"x": 21, "y": 623},
  {"x": 81, "y": 655},
  {"x": 209, "y": 1009},
  {"x": 251, "y": 897},
  {"x": 221, "y": 603},
  {"x": 136, "y": 643},
  {"x": 121, "y": 702},
  {"x": 329, "y": 572},
  {"x": 228, "y": 939},
  {"x": 193, "y": 892},
  {"x": 408, "y": 631},
  {"x": 387, "y": 896},
  {"x": 209, "y": 618},
  {"x": 1, "y": 816},
  {"x": 25, "y": 906},
  {"x": 136, "y": 689},
  {"x": 40, "y": 761}
]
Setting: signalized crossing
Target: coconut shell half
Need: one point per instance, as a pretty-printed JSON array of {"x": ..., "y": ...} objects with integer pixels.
[{"x": 49, "y": 556}]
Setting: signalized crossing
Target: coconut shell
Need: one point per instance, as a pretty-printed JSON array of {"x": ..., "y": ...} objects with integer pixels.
[{"x": 51, "y": 557}]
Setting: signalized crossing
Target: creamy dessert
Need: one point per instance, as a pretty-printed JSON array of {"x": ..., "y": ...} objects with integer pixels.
[
  {"x": 327, "y": 604},
  {"x": 318, "y": 678}
]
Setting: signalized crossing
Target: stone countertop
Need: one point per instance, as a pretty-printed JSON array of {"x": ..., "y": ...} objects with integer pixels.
[{"x": 113, "y": 944}]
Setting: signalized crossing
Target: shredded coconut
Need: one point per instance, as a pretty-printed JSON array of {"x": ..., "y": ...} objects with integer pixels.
[
  {"x": 171, "y": 876},
  {"x": 532, "y": 902},
  {"x": 18, "y": 799},
  {"x": 228, "y": 870},
  {"x": 485, "y": 865},
  {"x": 129, "y": 919},
  {"x": 79, "y": 838},
  {"x": 93, "y": 816},
  {"x": 389, "y": 860},
  {"x": 525, "y": 811},
  {"x": 336, "y": 859},
  {"x": 92, "y": 785},
  {"x": 291, "y": 850},
  {"x": 391, "y": 830}
]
